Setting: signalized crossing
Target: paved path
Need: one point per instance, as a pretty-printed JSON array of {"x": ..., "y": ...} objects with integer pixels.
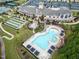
[
  {"x": 70, "y": 23},
  {"x": 2, "y": 49},
  {"x": 9, "y": 38}
]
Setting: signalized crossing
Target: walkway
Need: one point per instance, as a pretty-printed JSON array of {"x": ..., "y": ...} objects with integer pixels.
[
  {"x": 70, "y": 23},
  {"x": 2, "y": 49},
  {"x": 8, "y": 38}
]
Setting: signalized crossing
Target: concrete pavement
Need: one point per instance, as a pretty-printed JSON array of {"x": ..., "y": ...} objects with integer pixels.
[{"x": 2, "y": 49}]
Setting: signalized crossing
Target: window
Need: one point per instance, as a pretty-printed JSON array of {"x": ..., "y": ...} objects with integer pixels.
[
  {"x": 61, "y": 16},
  {"x": 65, "y": 16}
]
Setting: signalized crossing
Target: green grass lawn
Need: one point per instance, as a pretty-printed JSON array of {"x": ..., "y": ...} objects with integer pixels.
[
  {"x": 20, "y": 36},
  {"x": 75, "y": 13}
]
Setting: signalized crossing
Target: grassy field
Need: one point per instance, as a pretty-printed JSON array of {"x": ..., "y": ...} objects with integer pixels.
[{"x": 20, "y": 36}]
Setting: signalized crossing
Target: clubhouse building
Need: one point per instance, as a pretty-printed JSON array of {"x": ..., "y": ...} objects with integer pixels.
[{"x": 50, "y": 13}]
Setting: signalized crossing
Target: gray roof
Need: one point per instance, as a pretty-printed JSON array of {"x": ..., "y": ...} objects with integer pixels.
[
  {"x": 44, "y": 11},
  {"x": 51, "y": 12},
  {"x": 4, "y": 9},
  {"x": 27, "y": 9},
  {"x": 5, "y": 0}
]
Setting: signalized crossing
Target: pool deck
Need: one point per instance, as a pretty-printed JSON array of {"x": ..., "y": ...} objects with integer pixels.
[{"x": 43, "y": 53}]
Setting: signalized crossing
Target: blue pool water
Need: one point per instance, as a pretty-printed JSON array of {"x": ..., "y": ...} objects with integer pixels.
[{"x": 42, "y": 40}]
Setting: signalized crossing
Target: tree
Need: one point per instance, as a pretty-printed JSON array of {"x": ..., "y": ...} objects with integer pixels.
[
  {"x": 70, "y": 50},
  {"x": 33, "y": 16},
  {"x": 42, "y": 18}
]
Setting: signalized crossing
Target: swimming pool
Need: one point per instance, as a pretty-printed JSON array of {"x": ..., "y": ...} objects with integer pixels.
[{"x": 43, "y": 40}]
